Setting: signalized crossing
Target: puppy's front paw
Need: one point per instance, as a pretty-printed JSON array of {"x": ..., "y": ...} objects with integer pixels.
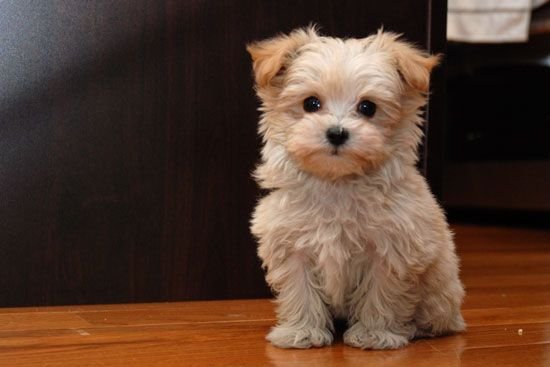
[
  {"x": 288, "y": 337},
  {"x": 360, "y": 337}
]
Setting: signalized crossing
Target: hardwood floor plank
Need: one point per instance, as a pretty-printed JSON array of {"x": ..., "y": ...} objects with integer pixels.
[
  {"x": 507, "y": 316},
  {"x": 510, "y": 259},
  {"x": 509, "y": 280},
  {"x": 504, "y": 296},
  {"x": 252, "y": 312},
  {"x": 22, "y": 321}
]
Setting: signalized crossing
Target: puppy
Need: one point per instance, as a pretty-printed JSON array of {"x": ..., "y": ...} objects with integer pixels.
[{"x": 350, "y": 228}]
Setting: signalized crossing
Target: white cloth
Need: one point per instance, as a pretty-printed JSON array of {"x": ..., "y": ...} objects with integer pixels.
[{"x": 490, "y": 21}]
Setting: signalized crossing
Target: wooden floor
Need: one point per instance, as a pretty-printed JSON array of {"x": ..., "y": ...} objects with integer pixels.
[{"x": 506, "y": 272}]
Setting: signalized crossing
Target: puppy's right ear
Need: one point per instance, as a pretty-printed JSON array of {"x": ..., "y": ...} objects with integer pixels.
[{"x": 271, "y": 56}]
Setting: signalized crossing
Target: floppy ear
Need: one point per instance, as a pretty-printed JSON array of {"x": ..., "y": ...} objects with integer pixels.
[
  {"x": 269, "y": 57},
  {"x": 414, "y": 65}
]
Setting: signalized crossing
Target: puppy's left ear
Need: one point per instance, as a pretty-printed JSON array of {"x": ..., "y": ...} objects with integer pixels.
[
  {"x": 271, "y": 56},
  {"x": 413, "y": 64}
]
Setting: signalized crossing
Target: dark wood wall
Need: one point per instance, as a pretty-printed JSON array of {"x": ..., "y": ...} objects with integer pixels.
[{"x": 127, "y": 138}]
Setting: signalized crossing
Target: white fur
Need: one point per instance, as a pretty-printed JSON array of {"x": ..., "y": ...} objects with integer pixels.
[{"x": 355, "y": 234}]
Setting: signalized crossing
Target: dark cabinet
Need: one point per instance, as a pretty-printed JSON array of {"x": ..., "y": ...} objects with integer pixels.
[
  {"x": 498, "y": 153},
  {"x": 128, "y": 134}
]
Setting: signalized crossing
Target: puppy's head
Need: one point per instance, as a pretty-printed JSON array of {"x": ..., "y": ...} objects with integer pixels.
[{"x": 340, "y": 108}]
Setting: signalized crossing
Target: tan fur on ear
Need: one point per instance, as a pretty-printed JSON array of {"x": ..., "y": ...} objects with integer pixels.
[
  {"x": 269, "y": 56},
  {"x": 413, "y": 64}
]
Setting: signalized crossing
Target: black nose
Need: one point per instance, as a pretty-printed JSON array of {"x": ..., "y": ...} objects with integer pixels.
[{"x": 337, "y": 135}]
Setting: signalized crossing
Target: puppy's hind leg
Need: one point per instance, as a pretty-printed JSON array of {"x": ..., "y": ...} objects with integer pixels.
[
  {"x": 303, "y": 317},
  {"x": 438, "y": 312}
]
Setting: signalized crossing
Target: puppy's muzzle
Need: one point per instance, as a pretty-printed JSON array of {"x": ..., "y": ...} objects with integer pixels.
[{"x": 337, "y": 135}]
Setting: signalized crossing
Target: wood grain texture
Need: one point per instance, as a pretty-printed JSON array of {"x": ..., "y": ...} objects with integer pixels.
[
  {"x": 231, "y": 333},
  {"x": 127, "y": 138}
]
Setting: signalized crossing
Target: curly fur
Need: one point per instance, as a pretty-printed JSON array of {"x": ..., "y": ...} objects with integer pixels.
[{"x": 352, "y": 232}]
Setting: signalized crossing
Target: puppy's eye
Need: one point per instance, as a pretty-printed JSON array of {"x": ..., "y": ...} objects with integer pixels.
[
  {"x": 366, "y": 108},
  {"x": 312, "y": 104}
]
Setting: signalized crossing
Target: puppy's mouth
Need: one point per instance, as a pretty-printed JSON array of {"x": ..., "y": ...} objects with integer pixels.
[{"x": 334, "y": 151}]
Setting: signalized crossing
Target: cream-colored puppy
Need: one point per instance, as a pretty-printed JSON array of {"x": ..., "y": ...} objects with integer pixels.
[{"x": 350, "y": 228}]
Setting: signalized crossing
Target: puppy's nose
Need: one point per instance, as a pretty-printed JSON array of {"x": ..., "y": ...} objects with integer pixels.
[{"x": 337, "y": 135}]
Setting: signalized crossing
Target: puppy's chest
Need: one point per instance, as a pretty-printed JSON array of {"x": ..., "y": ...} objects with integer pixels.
[
  {"x": 339, "y": 245},
  {"x": 334, "y": 223}
]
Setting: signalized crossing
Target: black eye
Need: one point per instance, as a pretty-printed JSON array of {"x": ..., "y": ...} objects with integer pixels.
[
  {"x": 312, "y": 104},
  {"x": 366, "y": 108}
]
